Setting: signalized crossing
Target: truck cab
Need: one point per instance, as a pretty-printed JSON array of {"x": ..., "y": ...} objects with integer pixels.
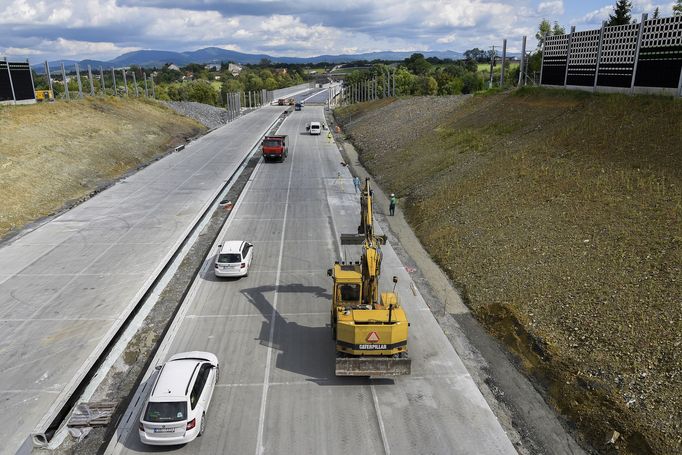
[{"x": 275, "y": 148}]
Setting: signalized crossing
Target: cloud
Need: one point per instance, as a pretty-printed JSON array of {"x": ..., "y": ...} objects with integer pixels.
[
  {"x": 278, "y": 27},
  {"x": 72, "y": 49},
  {"x": 551, "y": 8},
  {"x": 446, "y": 39}
]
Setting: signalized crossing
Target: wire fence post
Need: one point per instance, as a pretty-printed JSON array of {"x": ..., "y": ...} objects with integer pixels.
[
  {"x": 30, "y": 72},
  {"x": 522, "y": 69},
  {"x": 113, "y": 78},
  {"x": 125, "y": 81},
  {"x": 599, "y": 49},
  {"x": 66, "y": 83},
  {"x": 137, "y": 92},
  {"x": 639, "y": 46},
  {"x": 542, "y": 60},
  {"x": 153, "y": 87},
  {"x": 102, "y": 85},
  {"x": 504, "y": 61},
  {"x": 146, "y": 90},
  {"x": 49, "y": 76},
  {"x": 11, "y": 84},
  {"x": 568, "y": 54},
  {"x": 92, "y": 83},
  {"x": 78, "y": 78}
]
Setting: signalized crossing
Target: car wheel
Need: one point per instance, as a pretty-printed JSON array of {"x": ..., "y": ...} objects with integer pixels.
[{"x": 203, "y": 424}]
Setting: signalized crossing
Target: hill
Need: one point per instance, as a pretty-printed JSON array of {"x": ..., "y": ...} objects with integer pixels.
[
  {"x": 559, "y": 217},
  {"x": 154, "y": 58},
  {"x": 50, "y": 158}
]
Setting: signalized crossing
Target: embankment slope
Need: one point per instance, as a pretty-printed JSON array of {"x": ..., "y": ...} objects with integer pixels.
[
  {"x": 55, "y": 154},
  {"x": 559, "y": 216}
]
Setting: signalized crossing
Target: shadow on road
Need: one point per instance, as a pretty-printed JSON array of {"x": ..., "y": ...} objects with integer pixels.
[{"x": 304, "y": 350}]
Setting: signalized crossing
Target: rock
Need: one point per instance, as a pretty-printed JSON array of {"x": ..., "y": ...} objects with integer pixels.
[{"x": 614, "y": 437}]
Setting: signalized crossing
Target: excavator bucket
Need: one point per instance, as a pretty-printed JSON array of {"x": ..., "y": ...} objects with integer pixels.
[{"x": 375, "y": 367}]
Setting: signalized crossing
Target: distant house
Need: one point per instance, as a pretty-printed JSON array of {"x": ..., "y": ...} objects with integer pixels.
[
  {"x": 234, "y": 69},
  {"x": 217, "y": 78},
  {"x": 173, "y": 67},
  {"x": 188, "y": 76},
  {"x": 213, "y": 66},
  {"x": 312, "y": 72},
  {"x": 281, "y": 71}
]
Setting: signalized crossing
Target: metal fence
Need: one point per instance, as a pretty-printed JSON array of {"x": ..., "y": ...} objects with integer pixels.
[
  {"x": 16, "y": 83},
  {"x": 632, "y": 58}
]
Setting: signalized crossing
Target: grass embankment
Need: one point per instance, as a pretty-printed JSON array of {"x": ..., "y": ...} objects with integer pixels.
[
  {"x": 54, "y": 154},
  {"x": 559, "y": 216}
]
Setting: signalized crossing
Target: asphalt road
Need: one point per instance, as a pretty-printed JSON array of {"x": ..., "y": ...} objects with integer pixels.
[
  {"x": 277, "y": 391},
  {"x": 67, "y": 286}
]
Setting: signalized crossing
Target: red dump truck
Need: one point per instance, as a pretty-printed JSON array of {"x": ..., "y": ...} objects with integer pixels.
[{"x": 275, "y": 148}]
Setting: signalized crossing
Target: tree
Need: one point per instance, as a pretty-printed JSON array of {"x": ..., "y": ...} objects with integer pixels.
[
  {"x": 621, "y": 13},
  {"x": 657, "y": 13},
  {"x": 545, "y": 29},
  {"x": 418, "y": 64},
  {"x": 548, "y": 29},
  {"x": 558, "y": 29},
  {"x": 677, "y": 8},
  {"x": 476, "y": 54}
]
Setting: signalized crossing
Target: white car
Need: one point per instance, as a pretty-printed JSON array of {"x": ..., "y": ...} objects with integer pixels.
[
  {"x": 233, "y": 259},
  {"x": 175, "y": 412}
]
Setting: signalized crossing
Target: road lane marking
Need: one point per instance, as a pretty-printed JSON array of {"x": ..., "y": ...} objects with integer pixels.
[{"x": 271, "y": 335}]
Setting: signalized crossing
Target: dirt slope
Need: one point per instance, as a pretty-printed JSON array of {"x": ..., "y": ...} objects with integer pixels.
[
  {"x": 54, "y": 154},
  {"x": 559, "y": 216}
]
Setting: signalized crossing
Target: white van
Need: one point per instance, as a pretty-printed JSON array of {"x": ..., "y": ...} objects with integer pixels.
[
  {"x": 175, "y": 412},
  {"x": 315, "y": 128}
]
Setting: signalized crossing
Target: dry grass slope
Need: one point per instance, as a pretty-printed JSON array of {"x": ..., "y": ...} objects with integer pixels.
[
  {"x": 53, "y": 155},
  {"x": 559, "y": 215}
]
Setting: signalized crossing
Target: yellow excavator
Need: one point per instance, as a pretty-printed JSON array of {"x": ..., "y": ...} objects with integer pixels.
[{"x": 369, "y": 328}]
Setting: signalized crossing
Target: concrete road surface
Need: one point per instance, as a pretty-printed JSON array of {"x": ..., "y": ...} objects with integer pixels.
[
  {"x": 66, "y": 287},
  {"x": 277, "y": 392}
]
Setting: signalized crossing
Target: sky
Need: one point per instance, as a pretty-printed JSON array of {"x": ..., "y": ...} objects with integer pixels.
[{"x": 104, "y": 29}]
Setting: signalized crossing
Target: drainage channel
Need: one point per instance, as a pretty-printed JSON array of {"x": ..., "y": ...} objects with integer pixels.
[{"x": 57, "y": 430}]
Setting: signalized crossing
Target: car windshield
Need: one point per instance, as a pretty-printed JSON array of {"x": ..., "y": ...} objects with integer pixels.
[
  {"x": 170, "y": 411},
  {"x": 229, "y": 258},
  {"x": 315, "y": 127},
  {"x": 271, "y": 143}
]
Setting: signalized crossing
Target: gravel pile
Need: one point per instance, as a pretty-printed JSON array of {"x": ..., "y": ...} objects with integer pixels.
[{"x": 207, "y": 115}]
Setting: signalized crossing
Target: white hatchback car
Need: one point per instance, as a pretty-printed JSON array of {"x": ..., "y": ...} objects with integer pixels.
[
  {"x": 233, "y": 259},
  {"x": 175, "y": 412}
]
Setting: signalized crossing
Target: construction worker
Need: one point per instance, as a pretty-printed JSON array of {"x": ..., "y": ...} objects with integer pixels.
[
  {"x": 391, "y": 206},
  {"x": 356, "y": 183},
  {"x": 329, "y": 137}
]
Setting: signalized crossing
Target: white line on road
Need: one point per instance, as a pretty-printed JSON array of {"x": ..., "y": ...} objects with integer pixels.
[
  {"x": 271, "y": 335},
  {"x": 382, "y": 430}
]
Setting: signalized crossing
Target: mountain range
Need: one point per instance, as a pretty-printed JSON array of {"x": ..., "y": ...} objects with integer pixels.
[{"x": 151, "y": 58}]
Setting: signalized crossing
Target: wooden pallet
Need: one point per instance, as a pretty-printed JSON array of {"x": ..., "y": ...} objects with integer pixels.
[{"x": 93, "y": 414}]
